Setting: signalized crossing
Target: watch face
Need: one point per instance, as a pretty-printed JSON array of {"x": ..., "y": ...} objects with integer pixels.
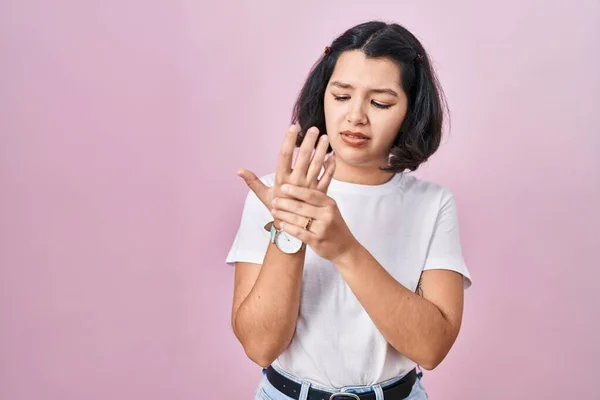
[{"x": 288, "y": 243}]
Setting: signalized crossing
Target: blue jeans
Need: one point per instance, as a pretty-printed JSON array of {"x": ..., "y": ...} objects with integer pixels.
[{"x": 266, "y": 391}]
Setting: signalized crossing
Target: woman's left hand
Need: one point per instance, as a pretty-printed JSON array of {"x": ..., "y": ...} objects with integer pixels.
[{"x": 313, "y": 217}]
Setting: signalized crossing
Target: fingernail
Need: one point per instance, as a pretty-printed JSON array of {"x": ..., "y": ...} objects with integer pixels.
[
  {"x": 274, "y": 201},
  {"x": 285, "y": 188},
  {"x": 273, "y": 211}
]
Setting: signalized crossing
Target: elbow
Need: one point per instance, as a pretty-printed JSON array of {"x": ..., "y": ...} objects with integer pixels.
[
  {"x": 260, "y": 352},
  {"x": 255, "y": 350},
  {"x": 430, "y": 364},
  {"x": 433, "y": 358},
  {"x": 261, "y": 349},
  {"x": 259, "y": 355},
  {"x": 438, "y": 350}
]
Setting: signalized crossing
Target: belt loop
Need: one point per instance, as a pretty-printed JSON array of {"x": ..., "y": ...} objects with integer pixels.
[
  {"x": 378, "y": 392},
  {"x": 304, "y": 391}
]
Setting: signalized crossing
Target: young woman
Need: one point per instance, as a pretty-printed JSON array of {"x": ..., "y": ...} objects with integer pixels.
[{"x": 348, "y": 271}]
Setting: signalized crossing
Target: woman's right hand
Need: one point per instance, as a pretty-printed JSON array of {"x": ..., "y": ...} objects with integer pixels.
[{"x": 305, "y": 172}]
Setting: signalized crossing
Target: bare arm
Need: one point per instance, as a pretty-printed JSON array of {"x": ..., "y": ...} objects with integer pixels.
[
  {"x": 421, "y": 326},
  {"x": 424, "y": 325},
  {"x": 265, "y": 304},
  {"x": 267, "y": 298}
]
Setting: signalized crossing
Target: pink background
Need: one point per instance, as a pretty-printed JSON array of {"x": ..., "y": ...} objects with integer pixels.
[{"x": 122, "y": 124}]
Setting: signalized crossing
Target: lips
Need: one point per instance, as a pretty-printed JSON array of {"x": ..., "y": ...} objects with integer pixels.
[
  {"x": 355, "y": 135},
  {"x": 354, "y": 139}
]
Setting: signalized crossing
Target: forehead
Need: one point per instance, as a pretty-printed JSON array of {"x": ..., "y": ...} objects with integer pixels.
[{"x": 354, "y": 68}]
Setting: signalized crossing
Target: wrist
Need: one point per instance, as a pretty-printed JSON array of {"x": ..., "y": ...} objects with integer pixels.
[{"x": 347, "y": 259}]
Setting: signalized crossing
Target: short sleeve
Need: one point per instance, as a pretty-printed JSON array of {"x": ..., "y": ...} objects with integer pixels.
[
  {"x": 445, "y": 249},
  {"x": 251, "y": 240}
]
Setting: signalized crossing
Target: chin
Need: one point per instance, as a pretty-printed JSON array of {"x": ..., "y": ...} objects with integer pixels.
[{"x": 357, "y": 158}]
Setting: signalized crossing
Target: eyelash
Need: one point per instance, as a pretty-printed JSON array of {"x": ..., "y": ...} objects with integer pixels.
[{"x": 375, "y": 104}]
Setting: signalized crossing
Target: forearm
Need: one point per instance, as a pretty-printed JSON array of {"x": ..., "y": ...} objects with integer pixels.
[
  {"x": 414, "y": 326},
  {"x": 266, "y": 320}
]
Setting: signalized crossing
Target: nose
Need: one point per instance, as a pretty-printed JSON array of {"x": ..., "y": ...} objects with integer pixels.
[{"x": 356, "y": 114}]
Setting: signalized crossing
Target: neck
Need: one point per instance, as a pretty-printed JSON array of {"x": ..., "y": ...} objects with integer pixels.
[{"x": 361, "y": 175}]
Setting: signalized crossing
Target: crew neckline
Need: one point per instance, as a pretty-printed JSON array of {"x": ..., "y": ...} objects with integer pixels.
[{"x": 390, "y": 186}]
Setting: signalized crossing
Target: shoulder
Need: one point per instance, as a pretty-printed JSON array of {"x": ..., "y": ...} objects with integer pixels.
[{"x": 425, "y": 191}]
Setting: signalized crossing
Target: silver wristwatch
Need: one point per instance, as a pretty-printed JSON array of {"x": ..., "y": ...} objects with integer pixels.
[{"x": 284, "y": 241}]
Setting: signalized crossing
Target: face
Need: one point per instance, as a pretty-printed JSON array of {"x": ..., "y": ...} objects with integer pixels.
[{"x": 364, "y": 109}]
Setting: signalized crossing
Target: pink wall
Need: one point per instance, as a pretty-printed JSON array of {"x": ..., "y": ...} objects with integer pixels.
[{"x": 122, "y": 124}]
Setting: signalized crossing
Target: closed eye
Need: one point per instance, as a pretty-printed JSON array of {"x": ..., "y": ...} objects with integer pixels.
[
  {"x": 340, "y": 98},
  {"x": 382, "y": 106},
  {"x": 374, "y": 103}
]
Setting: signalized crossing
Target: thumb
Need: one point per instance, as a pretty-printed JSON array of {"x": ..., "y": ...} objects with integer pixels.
[{"x": 255, "y": 184}]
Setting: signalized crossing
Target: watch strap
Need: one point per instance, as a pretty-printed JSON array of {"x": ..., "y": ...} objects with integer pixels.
[
  {"x": 273, "y": 232},
  {"x": 270, "y": 227}
]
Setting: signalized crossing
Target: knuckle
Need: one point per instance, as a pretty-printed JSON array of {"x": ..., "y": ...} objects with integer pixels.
[
  {"x": 304, "y": 154},
  {"x": 284, "y": 153}
]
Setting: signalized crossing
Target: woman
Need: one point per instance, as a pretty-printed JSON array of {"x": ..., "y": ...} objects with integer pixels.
[{"x": 348, "y": 271}]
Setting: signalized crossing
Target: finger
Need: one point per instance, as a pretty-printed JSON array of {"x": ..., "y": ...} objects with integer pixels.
[
  {"x": 255, "y": 184},
  {"x": 305, "y": 153},
  {"x": 327, "y": 174},
  {"x": 286, "y": 154},
  {"x": 299, "y": 232},
  {"x": 310, "y": 196},
  {"x": 318, "y": 158},
  {"x": 296, "y": 207},
  {"x": 290, "y": 218}
]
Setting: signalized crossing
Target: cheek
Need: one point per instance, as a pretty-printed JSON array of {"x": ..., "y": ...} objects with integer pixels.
[
  {"x": 334, "y": 116},
  {"x": 387, "y": 128},
  {"x": 333, "y": 111}
]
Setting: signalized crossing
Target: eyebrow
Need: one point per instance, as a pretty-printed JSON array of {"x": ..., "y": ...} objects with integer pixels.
[{"x": 348, "y": 86}]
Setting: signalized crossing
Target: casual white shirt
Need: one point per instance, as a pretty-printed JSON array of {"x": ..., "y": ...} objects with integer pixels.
[{"x": 409, "y": 225}]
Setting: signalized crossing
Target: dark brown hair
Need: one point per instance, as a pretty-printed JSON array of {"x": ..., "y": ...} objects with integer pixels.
[{"x": 420, "y": 135}]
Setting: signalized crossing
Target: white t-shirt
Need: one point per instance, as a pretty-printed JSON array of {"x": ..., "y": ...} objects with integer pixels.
[{"x": 408, "y": 225}]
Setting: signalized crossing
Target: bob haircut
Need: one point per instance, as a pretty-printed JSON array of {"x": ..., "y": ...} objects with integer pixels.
[{"x": 420, "y": 135}]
